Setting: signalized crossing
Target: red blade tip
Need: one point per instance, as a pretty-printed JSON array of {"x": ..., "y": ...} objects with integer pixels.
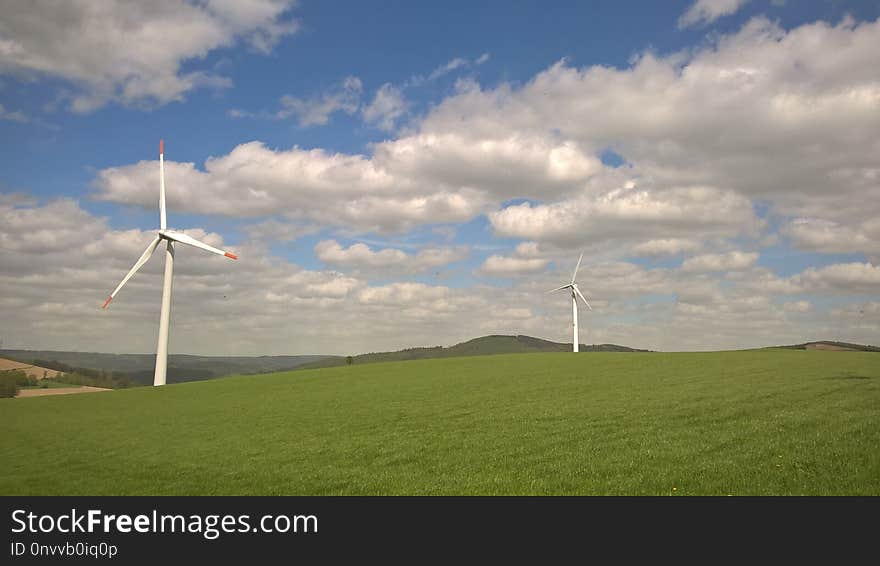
[
  {"x": 231, "y": 255},
  {"x": 107, "y": 302},
  {"x": 161, "y": 146}
]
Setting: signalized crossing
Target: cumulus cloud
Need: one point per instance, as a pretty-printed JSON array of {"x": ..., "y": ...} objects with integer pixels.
[
  {"x": 797, "y": 306},
  {"x": 402, "y": 293},
  {"x": 132, "y": 52},
  {"x": 316, "y": 111},
  {"x": 763, "y": 123},
  {"x": 527, "y": 258},
  {"x": 259, "y": 304},
  {"x": 274, "y": 230},
  {"x": 827, "y": 236},
  {"x": 664, "y": 247},
  {"x": 629, "y": 213},
  {"x": 359, "y": 256},
  {"x": 785, "y": 117},
  {"x": 507, "y": 266},
  {"x": 732, "y": 261},
  {"x": 328, "y": 188},
  {"x": 841, "y": 278},
  {"x": 704, "y": 12},
  {"x": 507, "y": 166},
  {"x": 387, "y": 107},
  {"x": 264, "y": 304},
  {"x": 407, "y": 182}
]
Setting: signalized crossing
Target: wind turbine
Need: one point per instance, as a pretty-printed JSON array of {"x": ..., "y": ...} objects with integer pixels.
[
  {"x": 169, "y": 237},
  {"x": 575, "y": 293}
]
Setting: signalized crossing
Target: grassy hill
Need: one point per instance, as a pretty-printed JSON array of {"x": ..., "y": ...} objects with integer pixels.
[
  {"x": 181, "y": 367},
  {"x": 483, "y": 346},
  {"x": 184, "y": 367},
  {"x": 752, "y": 422},
  {"x": 833, "y": 346}
]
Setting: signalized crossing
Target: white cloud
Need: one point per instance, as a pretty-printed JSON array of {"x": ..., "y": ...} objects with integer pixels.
[
  {"x": 264, "y": 304},
  {"x": 826, "y": 236},
  {"x": 631, "y": 213},
  {"x": 798, "y": 306},
  {"x": 841, "y": 279},
  {"x": 403, "y": 293},
  {"x": 737, "y": 121},
  {"x": 511, "y": 166},
  {"x": 14, "y": 116},
  {"x": 447, "y": 68},
  {"x": 387, "y": 107},
  {"x": 787, "y": 117},
  {"x": 360, "y": 257},
  {"x": 868, "y": 312},
  {"x": 502, "y": 266},
  {"x": 764, "y": 282},
  {"x": 526, "y": 259},
  {"x": 732, "y": 261},
  {"x": 704, "y": 12},
  {"x": 132, "y": 52},
  {"x": 274, "y": 230},
  {"x": 331, "y": 189},
  {"x": 316, "y": 111},
  {"x": 415, "y": 180},
  {"x": 784, "y": 118},
  {"x": 664, "y": 247}
]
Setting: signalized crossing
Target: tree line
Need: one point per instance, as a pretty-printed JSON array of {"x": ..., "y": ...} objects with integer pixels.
[
  {"x": 11, "y": 381},
  {"x": 88, "y": 376}
]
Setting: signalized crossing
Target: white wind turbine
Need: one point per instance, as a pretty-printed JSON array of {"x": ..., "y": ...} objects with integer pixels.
[
  {"x": 169, "y": 236},
  {"x": 575, "y": 293}
]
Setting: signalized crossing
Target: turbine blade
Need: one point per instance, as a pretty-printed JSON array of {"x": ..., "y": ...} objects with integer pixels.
[
  {"x": 189, "y": 240},
  {"x": 162, "y": 220},
  {"x": 581, "y": 295},
  {"x": 559, "y": 288},
  {"x": 573, "y": 275},
  {"x": 140, "y": 262}
]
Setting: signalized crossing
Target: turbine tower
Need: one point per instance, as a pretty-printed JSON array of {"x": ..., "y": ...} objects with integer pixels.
[
  {"x": 575, "y": 293},
  {"x": 169, "y": 237}
]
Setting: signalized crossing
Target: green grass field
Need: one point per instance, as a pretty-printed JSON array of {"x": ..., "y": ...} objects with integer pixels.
[{"x": 750, "y": 422}]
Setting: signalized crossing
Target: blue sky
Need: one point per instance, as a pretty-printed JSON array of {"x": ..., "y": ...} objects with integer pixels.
[{"x": 691, "y": 148}]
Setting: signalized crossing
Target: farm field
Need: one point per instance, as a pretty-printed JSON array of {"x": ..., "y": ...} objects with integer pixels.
[
  {"x": 58, "y": 389},
  {"x": 758, "y": 422},
  {"x": 29, "y": 369}
]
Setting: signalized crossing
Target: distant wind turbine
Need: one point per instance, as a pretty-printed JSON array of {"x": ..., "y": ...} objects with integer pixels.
[
  {"x": 575, "y": 293},
  {"x": 169, "y": 236}
]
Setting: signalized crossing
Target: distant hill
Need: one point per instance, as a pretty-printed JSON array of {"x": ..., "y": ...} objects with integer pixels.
[
  {"x": 483, "y": 346},
  {"x": 832, "y": 346},
  {"x": 139, "y": 367}
]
